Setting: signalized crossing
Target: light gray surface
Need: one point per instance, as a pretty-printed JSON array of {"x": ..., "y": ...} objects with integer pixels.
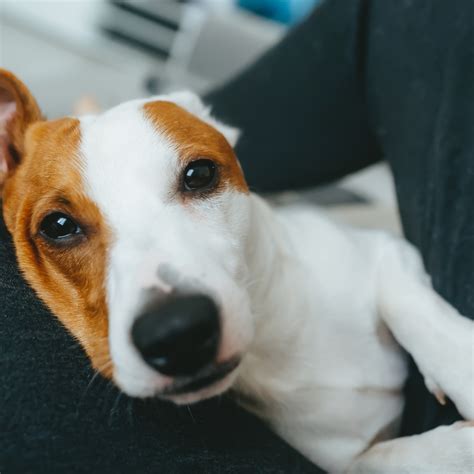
[
  {"x": 60, "y": 50},
  {"x": 59, "y": 75}
]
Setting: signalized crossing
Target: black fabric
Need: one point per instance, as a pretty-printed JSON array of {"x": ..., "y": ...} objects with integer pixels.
[
  {"x": 362, "y": 80},
  {"x": 359, "y": 80},
  {"x": 56, "y": 417},
  {"x": 301, "y": 108}
]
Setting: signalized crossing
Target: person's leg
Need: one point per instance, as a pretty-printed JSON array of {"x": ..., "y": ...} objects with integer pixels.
[{"x": 420, "y": 88}]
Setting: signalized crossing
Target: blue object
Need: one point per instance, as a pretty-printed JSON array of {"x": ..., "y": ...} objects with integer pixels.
[{"x": 284, "y": 11}]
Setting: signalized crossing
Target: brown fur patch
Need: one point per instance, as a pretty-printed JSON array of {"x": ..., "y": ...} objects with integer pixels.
[
  {"x": 196, "y": 139},
  {"x": 70, "y": 279}
]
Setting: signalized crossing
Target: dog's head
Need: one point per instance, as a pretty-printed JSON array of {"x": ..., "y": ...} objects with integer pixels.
[{"x": 131, "y": 225}]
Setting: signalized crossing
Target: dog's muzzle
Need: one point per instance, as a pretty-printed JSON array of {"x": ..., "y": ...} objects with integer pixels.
[{"x": 179, "y": 336}]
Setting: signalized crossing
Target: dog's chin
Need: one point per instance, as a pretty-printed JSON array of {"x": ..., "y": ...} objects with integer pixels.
[
  {"x": 210, "y": 382},
  {"x": 210, "y": 391}
]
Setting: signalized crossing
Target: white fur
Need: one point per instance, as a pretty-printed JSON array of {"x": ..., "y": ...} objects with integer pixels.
[
  {"x": 311, "y": 305},
  {"x": 131, "y": 172}
]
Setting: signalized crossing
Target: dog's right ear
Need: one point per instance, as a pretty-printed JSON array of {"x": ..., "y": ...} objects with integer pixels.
[
  {"x": 18, "y": 110},
  {"x": 193, "y": 103}
]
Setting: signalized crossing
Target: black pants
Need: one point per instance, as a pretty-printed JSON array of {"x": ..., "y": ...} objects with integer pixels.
[{"x": 358, "y": 81}]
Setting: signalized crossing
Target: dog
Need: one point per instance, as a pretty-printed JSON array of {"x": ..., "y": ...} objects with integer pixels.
[{"x": 137, "y": 229}]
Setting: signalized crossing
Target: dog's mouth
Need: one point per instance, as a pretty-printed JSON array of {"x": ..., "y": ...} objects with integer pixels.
[{"x": 205, "y": 378}]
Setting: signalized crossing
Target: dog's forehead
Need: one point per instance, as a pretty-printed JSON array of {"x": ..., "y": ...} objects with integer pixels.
[
  {"x": 148, "y": 133},
  {"x": 123, "y": 142},
  {"x": 127, "y": 164},
  {"x": 132, "y": 155}
]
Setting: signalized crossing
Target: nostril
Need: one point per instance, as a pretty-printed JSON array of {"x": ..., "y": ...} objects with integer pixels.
[
  {"x": 180, "y": 360},
  {"x": 180, "y": 336}
]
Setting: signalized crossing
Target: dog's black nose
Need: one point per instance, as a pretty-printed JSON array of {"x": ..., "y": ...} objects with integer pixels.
[{"x": 179, "y": 336}]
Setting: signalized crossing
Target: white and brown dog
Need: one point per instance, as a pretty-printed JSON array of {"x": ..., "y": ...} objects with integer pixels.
[{"x": 137, "y": 229}]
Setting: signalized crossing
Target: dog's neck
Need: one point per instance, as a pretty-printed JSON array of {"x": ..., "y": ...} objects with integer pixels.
[{"x": 277, "y": 291}]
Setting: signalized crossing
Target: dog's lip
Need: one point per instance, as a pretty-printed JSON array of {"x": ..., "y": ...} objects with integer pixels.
[{"x": 205, "y": 378}]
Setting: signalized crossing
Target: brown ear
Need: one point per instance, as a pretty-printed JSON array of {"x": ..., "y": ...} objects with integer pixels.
[{"x": 18, "y": 110}]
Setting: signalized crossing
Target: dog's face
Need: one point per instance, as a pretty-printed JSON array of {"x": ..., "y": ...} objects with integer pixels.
[{"x": 131, "y": 226}]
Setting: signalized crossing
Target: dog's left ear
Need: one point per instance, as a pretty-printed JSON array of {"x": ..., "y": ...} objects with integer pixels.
[
  {"x": 193, "y": 104},
  {"x": 18, "y": 110}
]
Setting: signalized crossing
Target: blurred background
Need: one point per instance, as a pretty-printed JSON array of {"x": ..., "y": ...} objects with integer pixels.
[{"x": 116, "y": 50}]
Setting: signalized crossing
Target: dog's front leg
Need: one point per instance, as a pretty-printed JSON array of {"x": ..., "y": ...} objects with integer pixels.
[
  {"x": 446, "y": 449},
  {"x": 440, "y": 340}
]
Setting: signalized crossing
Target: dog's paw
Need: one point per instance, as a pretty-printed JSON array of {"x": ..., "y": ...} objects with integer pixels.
[
  {"x": 439, "y": 451},
  {"x": 463, "y": 424},
  {"x": 453, "y": 375},
  {"x": 436, "y": 390},
  {"x": 461, "y": 394},
  {"x": 450, "y": 448},
  {"x": 460, "y": 443}
]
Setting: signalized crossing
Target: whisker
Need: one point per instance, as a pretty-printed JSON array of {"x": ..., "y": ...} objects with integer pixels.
[
  {"x": 191, "y": 414},
  {"x": 130, "y": 411},
  {"x": 115, "y": 407},
  {"x": 94, "y": 377}
]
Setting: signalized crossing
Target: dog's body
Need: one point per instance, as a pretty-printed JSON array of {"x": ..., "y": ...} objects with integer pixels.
[
  {"x": 139, "y": 216},
  {"x": 324, "y": 369}
]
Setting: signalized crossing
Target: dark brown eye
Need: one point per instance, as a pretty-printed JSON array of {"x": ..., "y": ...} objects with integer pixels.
[
  {"x": 199, "y": 175},
  {"x": 58, "y": 226}
]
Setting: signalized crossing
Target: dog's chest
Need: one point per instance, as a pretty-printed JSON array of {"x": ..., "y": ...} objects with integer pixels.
[
  {"x": 329, "y": 328},
  {"x": 334, "y": 403},
  {"x": 327, "y": 372}
]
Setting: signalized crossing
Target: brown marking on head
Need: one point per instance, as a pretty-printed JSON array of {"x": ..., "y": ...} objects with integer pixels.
[
  {"x": 45, "y": 177},
  {"x": 196, "y": 139}
]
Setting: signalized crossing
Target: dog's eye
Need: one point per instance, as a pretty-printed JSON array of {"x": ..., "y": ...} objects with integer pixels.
[
  {"x": 57, "y": 226},
  {"x": 199, "y": 175}
]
